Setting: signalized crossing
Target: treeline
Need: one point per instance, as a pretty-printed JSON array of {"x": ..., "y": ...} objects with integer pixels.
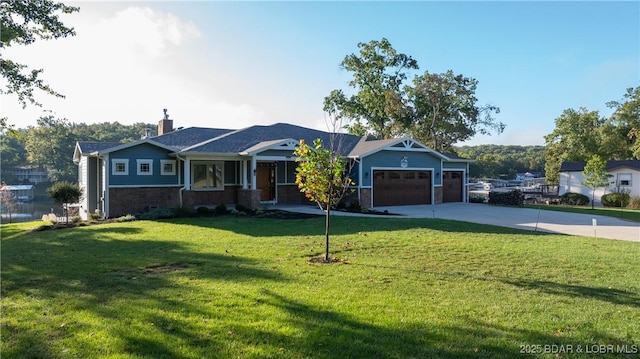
[
  {"x": 494, "y": 161},
  {"x": 51, "y": 144}
]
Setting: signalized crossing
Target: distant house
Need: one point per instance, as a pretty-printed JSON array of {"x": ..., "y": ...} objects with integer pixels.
[
  {"x": 207, "y": 166},
  {"x": 625, "y": 175},
  {"x": 31, "y": 173},
  {"x": 527, "y": 176}
]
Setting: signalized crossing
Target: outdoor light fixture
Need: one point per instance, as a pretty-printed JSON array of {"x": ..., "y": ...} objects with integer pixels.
[{"x": 366, "y": 175}]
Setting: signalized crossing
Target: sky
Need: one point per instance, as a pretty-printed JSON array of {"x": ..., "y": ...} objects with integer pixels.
[{"x": 237, "y": 64}]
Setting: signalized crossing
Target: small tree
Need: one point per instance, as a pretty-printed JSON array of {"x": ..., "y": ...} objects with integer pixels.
[
  {"x": 65, "y": 193},
  {"x": 323, "y": 176},
  {"x": 8, "y": 201},
  {"x": 595, "y": 175}
]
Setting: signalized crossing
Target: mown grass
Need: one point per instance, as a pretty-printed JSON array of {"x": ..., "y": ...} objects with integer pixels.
[
  {"x": 243, "y": 287},
  {"x": 628, "y": 214}
]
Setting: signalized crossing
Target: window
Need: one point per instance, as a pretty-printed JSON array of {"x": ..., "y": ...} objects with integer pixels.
[
  {"x": 145, "y": 167},
  {"x": 624, "y": 179},
  {"x": 119, "y": 167},
  {"x": 167, "y": 167},
  {"x": 207, "y": 175}
]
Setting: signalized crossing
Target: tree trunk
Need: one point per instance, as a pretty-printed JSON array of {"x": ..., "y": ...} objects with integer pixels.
[
  {"x": 326, "y": 233},
  {"x": 593, "y": 198}
]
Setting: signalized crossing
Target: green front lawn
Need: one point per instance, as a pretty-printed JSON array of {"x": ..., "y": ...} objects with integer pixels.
[{"x": 232, "y": 287}]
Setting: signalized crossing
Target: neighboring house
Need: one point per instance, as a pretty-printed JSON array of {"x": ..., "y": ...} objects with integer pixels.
[
  {"x": 32, "y": 173},
  {"x": 527, "y": 176},
  {"x": 625, "y": 176},
  {"x": 205, "y": 167}
]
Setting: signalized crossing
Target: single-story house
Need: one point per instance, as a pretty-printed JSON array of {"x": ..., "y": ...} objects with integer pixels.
[
  {"x": 625, "y": 175},
  {"x": 208, "y": 166}
]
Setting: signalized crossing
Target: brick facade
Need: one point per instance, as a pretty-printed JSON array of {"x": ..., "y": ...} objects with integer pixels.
[
  {"x": 438, "y": 194},
  {"x": 195, "y": 199},
  {"x": 290, "y": 194},
  {"x": 123, "y": 201},
  {"x": 249, "y": 198}
]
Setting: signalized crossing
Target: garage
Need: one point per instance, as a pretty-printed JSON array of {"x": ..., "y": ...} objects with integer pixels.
[
  {"x": 452, "y": 186},
  {"x": 401, "y": 187}
]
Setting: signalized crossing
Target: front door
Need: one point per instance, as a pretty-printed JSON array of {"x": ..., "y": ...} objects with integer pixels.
[{"x": 266, "y": 181}]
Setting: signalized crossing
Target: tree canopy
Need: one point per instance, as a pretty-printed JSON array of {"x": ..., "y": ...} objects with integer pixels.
[
  {"x": 22, "y": 22},
  {"x": 581, "y": 134},
  {"x": 438, "y": 109},
  {"x": 51, "y": 143}
]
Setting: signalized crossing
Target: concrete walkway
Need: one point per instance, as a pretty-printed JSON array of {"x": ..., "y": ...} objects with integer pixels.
[{"x": 512, "y": 217}]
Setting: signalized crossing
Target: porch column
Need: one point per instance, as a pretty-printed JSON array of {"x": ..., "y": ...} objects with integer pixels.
[
  {"x": 245, "y": 174},
  {"x": 253, "y": 172},
  {"x": 187, "y": 173}
]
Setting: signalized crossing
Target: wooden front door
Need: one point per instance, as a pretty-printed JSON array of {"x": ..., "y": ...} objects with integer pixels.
[
  {"x": 266, "y": 181},
  {"x": 452, "y": 186}
]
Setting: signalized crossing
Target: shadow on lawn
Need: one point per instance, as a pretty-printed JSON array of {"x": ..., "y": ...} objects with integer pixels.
[
  {"x": 609, "y": 295},
  {"x": 94, "y": 270},
  {"x": 330, "y": 334},
  {"x": 262, "y": 227}
]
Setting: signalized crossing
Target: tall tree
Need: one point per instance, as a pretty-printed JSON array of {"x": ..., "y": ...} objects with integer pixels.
[
  {"x": 13, "y": 154},
  {"x": 626, "y": 120},
  {"x": 323, "y": 176},
  {"x": 446, "y": 110},
  {"x": 595, "y": 175},
  {"x": 576, "y": 137},
  {"x": 22, "y": 22},
  {"x": 379, "y": 105},
  {"x": 51, "y": 144}
]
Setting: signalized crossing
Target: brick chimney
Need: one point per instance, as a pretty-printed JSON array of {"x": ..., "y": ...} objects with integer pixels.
[{"x": 165, "y": 125}]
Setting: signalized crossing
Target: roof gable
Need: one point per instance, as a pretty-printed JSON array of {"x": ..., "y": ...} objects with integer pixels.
[{"x": 368, "y": 146}]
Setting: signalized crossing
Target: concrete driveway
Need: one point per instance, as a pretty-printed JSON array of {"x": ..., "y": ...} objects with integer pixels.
[{"x": 512, "y": 217}]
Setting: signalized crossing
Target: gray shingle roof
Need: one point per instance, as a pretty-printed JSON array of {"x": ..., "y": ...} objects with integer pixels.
[
  {"x": 241, "y": 140},
  {"x": 89, "y": 146},
  {"x": 184, "y": 138},
  {"x": 578, "y": 166}
]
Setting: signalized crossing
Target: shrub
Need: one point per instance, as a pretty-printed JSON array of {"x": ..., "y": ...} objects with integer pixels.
[
  {"x": 634, "y": 203},
  {"x": 354, "y": 206},
  {"x": 76, "y": 219},
  {"x": 158, "y": 213},
  {"x": 94, "y": 216},
  {"x": 615, "y": 199},
  {"x": 182, "y": 211},
  {"x": 511, "y": 198},
  {"x": 476, "y": 199},
  {"x": 202, "y": 211},
  {"x": 241, "y": 208},
  {"x": 574, "y": 199},
  {"x": 341, "y": 206},
  {"x": 220, "y": 209},
  {"x": 127, "y": 218}
]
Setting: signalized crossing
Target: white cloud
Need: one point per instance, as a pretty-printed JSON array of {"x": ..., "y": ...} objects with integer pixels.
[{"x": 126, "y": 67}]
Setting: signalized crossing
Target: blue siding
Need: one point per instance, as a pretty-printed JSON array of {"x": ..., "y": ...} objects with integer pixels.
[
  {"x": 393, "y": 158},
  {"x": 143, "y": 151},
  {"x": 454, "y": 165}
]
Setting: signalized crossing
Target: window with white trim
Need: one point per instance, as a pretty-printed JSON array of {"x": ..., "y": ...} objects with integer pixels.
[
  {"x": 624, "y": 179},
  {"x": 145, "y": 167},
  {"x": 207, "y": 175},
  {"x": 119, "y": 167},
  {"x": 167, "y": 167}
]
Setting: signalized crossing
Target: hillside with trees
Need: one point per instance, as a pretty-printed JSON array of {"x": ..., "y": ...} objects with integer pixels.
[
  {"x": 51, "y": 143},
  {"x": 495, "y": 161}
]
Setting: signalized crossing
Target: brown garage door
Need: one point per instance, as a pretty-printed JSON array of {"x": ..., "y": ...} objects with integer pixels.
[
  {"x": 452, "y": 186},
  {"x": 401, "y": 187}
]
